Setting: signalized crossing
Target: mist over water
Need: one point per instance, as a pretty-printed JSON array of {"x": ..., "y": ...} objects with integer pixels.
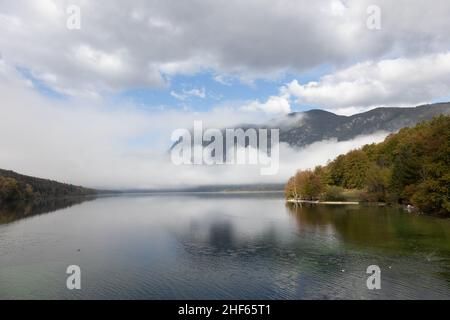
[{"x": 222, "y": 246}]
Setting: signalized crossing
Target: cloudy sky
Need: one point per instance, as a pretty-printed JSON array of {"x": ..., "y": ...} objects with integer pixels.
[{"x": 93, "y": 105}]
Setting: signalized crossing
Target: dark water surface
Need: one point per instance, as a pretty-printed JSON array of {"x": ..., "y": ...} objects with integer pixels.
[{"x": 213, "y": 246}]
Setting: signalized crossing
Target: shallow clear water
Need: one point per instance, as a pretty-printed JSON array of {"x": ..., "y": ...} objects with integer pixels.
[{"x": 214, "y": 246}]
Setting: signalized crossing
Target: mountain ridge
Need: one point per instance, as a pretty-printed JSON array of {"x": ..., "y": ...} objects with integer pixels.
[
  {"x": 300, "y": 129},
  {"x": 15, "y": 186},
  {"x": 317, "y": 125}
]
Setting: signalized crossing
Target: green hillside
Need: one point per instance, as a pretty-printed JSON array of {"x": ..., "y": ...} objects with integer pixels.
[
  {"x": 14, "y": 187},
  {"x": 411, "y": 167}
]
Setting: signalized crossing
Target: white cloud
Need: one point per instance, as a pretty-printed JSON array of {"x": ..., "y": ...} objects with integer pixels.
[
  {"x": 222, "y": 79},
  {"x": 338, "y": 8},
  {"x": 199, "y": 93},
  {"x": 109, "y": 147},
  {"x": 178, "y": 96},
  {"x": 274, "y": 105},
  {"x": 101, "y": 62},
  {"x": 390, "y": 82},
  {"x": 139, "y": 43},
  {"x": 195, "y": 92}
]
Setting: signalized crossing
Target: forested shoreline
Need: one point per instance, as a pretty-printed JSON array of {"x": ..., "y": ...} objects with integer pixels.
[
  {"x": 16, "y": 187},
  {"x": 411, "y": 167}
]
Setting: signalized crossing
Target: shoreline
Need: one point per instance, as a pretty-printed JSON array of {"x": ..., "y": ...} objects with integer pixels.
[
  {"x": 325, "y": 202},
  {"x": 405, "y": 208}
]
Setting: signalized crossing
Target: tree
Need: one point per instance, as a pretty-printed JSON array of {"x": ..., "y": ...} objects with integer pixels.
[
  {"x": 9, "y": 189},
  {"x": 289, "y": 189},
  {"x": 406, "y": 170},
  {"x": 377, "y": 183},
  {"x": 349, "y": 171},
  {"x": 428, "y": 197},
  {"x": 308, "y": 185},
  {"x": 334, "y": 193}
]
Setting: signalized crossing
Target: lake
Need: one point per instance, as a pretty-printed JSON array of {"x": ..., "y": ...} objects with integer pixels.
[{"x": 220, "y": 246}]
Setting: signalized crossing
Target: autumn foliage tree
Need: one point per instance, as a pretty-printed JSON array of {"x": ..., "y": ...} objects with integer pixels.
[
  {"x": 11, "y": 190},
  {"x": 305, "y": 185}
]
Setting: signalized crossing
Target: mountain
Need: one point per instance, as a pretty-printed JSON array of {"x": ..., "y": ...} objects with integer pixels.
[
  {"x": 222, "y": 188},
  {"x": 14, "y": 186},
  {"x": 301, "y": 129}
]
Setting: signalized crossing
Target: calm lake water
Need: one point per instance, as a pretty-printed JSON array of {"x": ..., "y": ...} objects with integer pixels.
[{"x": 217, "y": 246}]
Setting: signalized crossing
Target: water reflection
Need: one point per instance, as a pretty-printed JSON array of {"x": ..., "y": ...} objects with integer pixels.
[
  {"x": 376, "y": 227},
  {"x": 221, "y": 236},
  {"x": 215, "y": 246},
  {"x": 323, "y": 254},
  {"x": 10, "y": 212}
]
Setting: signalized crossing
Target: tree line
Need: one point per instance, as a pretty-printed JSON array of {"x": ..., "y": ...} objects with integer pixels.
[
  {"x": 17, "y": 187},
  {"x": 411, "y": 167}
]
